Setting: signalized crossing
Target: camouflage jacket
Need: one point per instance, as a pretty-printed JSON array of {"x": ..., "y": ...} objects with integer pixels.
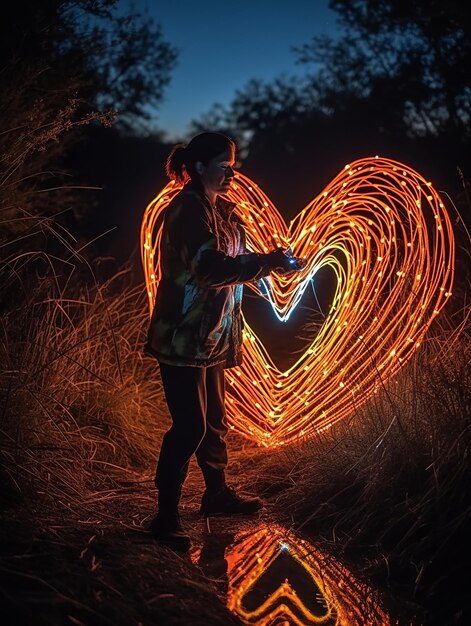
[{"x": 197, "y": 318}]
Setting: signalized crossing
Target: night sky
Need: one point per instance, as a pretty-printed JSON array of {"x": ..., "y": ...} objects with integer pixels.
[{"x": 222, "y": 45}]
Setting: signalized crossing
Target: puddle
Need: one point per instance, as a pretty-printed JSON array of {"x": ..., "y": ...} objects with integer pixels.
[{"x": 270, "y": 577}]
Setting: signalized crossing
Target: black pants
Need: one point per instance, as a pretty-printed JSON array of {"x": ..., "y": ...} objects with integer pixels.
[{"x": 195, "y": 398}]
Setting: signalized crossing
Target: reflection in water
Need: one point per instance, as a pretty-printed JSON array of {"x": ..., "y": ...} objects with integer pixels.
[{"x": 273, "y": 578}]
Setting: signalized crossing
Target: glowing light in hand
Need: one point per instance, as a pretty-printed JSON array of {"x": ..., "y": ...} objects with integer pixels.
[{"x": 385, "y": 233}]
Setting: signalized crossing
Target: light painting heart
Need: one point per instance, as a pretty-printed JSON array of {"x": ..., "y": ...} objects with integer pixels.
[
  {"x": 264, "y": 590},
  {"x": 385, "y": 233}
]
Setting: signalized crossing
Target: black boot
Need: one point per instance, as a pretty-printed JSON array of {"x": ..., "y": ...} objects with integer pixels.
[
  {"x": 168, "y": 531},
  {"x": 228, "y": 502},
  {"x": 166, "y": 527}
]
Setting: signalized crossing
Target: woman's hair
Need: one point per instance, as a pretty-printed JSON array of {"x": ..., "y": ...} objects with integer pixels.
[{"x": 182, "y": 159}]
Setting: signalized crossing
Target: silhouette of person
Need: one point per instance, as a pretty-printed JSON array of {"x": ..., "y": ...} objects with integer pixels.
[
  {"x": 212, "y": 558},
  {"x": 196, "y": 327}
]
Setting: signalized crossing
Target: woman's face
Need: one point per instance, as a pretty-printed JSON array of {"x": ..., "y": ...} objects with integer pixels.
[{"x": 217, "y": 175}]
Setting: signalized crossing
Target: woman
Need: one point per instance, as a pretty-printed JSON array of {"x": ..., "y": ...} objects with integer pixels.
[{"x": 196, "y": 327}]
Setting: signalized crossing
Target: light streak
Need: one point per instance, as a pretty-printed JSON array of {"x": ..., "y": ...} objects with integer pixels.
[
  {"x": 385, "y": 234},
  {"x": 303, "y": 585}
]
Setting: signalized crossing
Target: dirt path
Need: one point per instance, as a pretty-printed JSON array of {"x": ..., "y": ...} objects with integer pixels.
[
  {"x": 98, "y": 566},
  {"x": 102, "y": 568}
]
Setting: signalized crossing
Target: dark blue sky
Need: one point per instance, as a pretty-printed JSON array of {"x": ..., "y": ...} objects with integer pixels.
[{"x": 222, "y": 45}]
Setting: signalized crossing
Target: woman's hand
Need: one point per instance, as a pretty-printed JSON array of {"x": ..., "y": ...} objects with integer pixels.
[{"x": 283, "y": 261}]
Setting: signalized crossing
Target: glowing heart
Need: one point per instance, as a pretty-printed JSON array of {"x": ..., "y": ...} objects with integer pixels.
[
  {"x": 275, "y": 577},
  {"x": 386, "y": 235}
]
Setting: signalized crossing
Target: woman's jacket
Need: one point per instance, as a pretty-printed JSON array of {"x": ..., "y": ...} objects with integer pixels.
[{"x": 197, "y": 317}]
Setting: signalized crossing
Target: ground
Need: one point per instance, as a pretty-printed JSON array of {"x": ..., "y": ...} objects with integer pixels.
[{"x": 94, "y": 563}]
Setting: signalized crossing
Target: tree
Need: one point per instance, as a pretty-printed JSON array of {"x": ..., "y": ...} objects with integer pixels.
[
  {"x": 118, "y": 61},
  {"x": 417, "y": 54},
  {"x": 64, "y": 65},
  {"x": 396, "y": 81},
  {"x": 258, "y": 109}
]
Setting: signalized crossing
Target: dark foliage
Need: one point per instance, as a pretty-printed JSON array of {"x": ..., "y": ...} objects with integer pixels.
[
  {"x": 65, "y": 66},
  {"x": 117, "y": 61},
  {"x": 396, "y": 83}
]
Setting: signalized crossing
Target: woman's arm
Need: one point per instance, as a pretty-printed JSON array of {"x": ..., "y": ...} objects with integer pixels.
[{"x": 191, "y": 235}]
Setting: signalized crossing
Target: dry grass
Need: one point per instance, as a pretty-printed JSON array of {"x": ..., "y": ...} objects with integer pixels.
[
  {"x": 82, "y": 418},
  {"x": 80, "y": 401},
  {"x": 390, "y": 490},
  {"x": 80, "y": 408}
]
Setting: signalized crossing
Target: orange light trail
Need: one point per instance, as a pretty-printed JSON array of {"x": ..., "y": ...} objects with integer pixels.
[
  {"x": 274, "y": 576},
  {"x": 385, "y": 234}
]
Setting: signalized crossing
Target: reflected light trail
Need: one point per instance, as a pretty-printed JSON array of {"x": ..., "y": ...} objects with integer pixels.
[
  {"x": 274, "y": 577},
  {"x": 386, "y": 235}
]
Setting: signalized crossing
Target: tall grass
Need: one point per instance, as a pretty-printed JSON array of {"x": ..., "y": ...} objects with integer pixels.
[
  {"x": 390, "y": 488},
  {"x": 80, "y": 403},
  {"x": 81, "y": 408},
  {"x": 69, "y": 368}
]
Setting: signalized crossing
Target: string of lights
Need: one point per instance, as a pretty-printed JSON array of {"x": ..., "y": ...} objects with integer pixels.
[{"x": 386, "y": 237}]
